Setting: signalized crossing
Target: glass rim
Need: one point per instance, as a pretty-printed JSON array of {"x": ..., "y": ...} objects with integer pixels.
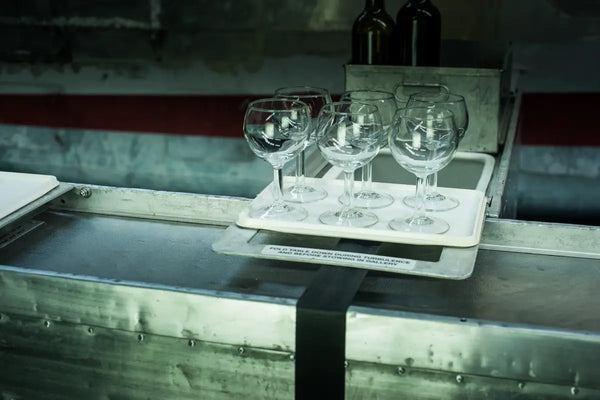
[
  {"x": 451, "y": 97},
  {"x": 254, "y": 104},
  {"x": 389, "y": 95},
  {"x": 333, "y": 105},
  {"x": 300, "y": 91},
  {"x": 400, "y": 113}
]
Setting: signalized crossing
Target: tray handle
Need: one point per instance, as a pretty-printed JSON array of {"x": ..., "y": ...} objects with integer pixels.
[{"x": 426, "y": 85}]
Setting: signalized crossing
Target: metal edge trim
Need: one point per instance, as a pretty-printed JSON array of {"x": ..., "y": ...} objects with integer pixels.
[
  {"x": 499, "y": 179},
  {"x": 151, "y": 204}
]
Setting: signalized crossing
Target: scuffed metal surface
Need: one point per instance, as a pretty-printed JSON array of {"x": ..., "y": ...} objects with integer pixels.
[
  {"x": 390, "y": 382},
  {"x": 578, "y": 241},
  {"x": 224, "y": 318},
  {"x": 534, "y": 354},
  {"x": 64, "y": 360},
  {"x": 160, "y": 205}
]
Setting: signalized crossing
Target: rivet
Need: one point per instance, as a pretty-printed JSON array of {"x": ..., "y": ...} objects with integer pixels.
[
  {"x": 346, "y": 364},
  {"x": 241, "y": 350},
  {"x": 401, "y": 370},
  {"x": 90, "y": 330},
  {"x": 463, "y": 319},
  {"x": 521, "y": 385},
  {"x": 47, "y": 324},
  {"x": 85, "y": 192},
  {"x": 459, "y": 378},
  {"x": 191, "y": 343},
  {"x": 574, "y": 390},
  {"x": 140, "y": 337},
  {"x": 292, "y": 357}
]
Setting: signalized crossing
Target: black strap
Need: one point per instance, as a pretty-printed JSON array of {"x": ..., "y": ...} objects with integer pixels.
[{"x": 321, "y": 329}]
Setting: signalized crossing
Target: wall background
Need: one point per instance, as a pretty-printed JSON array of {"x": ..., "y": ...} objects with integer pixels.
[
  {"x": 210, "y": 50},
  {"x": 253, "y": 46}
]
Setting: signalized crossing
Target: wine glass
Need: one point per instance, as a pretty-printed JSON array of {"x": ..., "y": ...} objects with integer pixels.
[
  {"x": 276, "y": 131},
  {"x": 385, "y": 102},
  {"x": 349, "y": 137},
  {"x": 316, "y": 98},
  {"x": 434, "y": 200},
  {"x": 423, "y": 141}
]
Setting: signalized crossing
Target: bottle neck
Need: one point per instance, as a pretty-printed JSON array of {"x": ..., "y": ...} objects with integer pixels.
[{"x": 374, "y": 5}]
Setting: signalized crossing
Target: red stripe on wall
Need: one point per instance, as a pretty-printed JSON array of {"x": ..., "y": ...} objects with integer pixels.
[
  {"x": 179, "y": 114},
  {"x": 557, "y": 119}
]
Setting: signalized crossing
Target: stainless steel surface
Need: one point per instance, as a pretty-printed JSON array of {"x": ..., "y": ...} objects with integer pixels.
[
  {"x": 119, "y": 295},
  {"x": 161, "y": 254},
  {"x": 63, "y": 359},
  {"x": 473, "y": 347},
  {"x": 120, "y": 298},
  {"x": 521, "y": 318},
  {"x": 126, "y": 283},
  {"x": 151, "y": 204},
  {"x": 482, "y": 88},
  {"x": 499, "y": 180},
  {"x": 553, "y": 292},
  {"x": 376, "y": 381},
  {"x": 576, "y": 241}
]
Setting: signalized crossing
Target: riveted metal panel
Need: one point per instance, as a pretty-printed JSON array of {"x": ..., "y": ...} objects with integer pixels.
[
  {"x": 217, "y": 317},
  {"x": 464, "y": 346},
  {"x": 62, "y": 360},
  {"x": 390, "y": 382}
]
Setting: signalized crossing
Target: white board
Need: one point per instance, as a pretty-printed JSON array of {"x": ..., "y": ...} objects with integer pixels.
[{"x": 19, "y": 189}]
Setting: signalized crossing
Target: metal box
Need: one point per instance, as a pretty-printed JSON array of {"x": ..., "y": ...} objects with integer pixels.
[{"x": 481, "y": 87}]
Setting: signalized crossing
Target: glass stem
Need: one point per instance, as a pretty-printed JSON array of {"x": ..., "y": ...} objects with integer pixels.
[
  {"x": 431, "y": 189},
  {"x": 277, "y": 188},
  {"x": 349, "y": 189},
  {"x": 419, "y": 211},
  {"x": 300, "y": 169},
  {"x": 367, "y": 176}
]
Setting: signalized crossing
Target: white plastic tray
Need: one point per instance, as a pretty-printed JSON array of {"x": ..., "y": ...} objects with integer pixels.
[
  {"x": 394, "y": 174},
  {"x": 19, "y": 189},
  {"x": 466, "y": 221}
]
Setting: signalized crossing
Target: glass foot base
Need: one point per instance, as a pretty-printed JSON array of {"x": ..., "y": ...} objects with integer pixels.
[
  {"x": 283, "y": 212},
  {"x": 367, "y": 199},
  {"x": 349, "y": 218},
  {"x": 303, "y": 194},
  {"x": 433, "y": 202},
  {"x": 424, "y": 224}
]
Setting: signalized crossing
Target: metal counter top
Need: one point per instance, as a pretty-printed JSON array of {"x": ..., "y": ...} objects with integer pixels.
[
  {"x": 535, "y": 274},
  {"x": 123, "y": 261}
]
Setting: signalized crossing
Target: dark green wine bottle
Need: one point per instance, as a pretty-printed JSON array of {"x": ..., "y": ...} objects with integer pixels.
[
  {"x": 418, "y": 33},
  {"x": 372, "y": 35}
]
